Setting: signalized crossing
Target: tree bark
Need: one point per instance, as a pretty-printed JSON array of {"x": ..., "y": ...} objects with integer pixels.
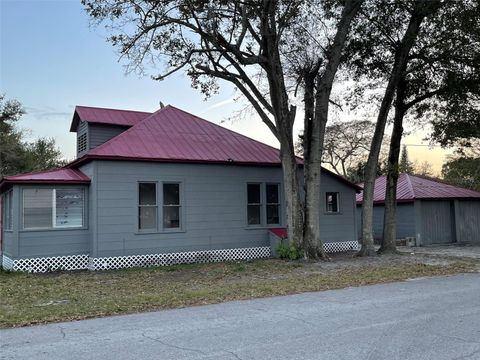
[
  {"x": 389, "y": 221},
  {"x": 316, "y": 116},
  {"x": 421, "y": 10}
]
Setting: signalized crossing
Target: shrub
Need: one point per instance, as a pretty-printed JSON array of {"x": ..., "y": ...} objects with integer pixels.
[{"x": 288, "y": 251}]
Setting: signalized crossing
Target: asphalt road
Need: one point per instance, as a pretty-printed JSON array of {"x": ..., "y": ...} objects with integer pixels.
[{"x": 437, "y": 318}]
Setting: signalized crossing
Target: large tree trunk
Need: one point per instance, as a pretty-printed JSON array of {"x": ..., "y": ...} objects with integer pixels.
[
  {"x": 312, "y": 155},
  {"x": 293, "y": 202},
  {"x": 389, "y": 220},
  {"x": 422, "y": 9},
  {"x": 316, "y": 117}
]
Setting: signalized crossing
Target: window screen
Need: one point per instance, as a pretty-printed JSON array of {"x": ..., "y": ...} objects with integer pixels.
[
  {"x": 332, "y": 202},
  {"x": 147, "y": 206},
  {"x": 171, "y": 205},
  {"x": 254, "y": 206}
]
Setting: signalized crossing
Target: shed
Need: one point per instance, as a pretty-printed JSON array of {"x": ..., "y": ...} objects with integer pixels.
[{"x": 429, "y": 210}]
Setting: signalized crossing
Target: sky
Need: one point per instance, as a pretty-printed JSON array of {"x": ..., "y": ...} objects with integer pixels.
[{"x": 52, "y": 59}]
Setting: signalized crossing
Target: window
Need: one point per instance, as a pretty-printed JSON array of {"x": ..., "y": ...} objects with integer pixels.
[
  {"x": 53, "y": 208},
  {"x": 8, "y": 210},
  {"x": 332, "y": 202},
  {"x": 147, "y": 206},
  {"x": 254, "y": 206},
  {"x": 273, "y": 204},
  {"x": 82, "y": 143},
  {"x": 171, "y": 205},
  {"x": 68, "y": 208}
]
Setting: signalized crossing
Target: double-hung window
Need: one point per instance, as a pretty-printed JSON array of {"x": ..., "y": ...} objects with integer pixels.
[
  {"x": 53, "y": 208},
  {"x": 263, "y": 204},
  {"x": 254, "y": 206},
  {"x": 171, "y": 205},
  {"x": 332, "y": 202},
  {"x": 273, "y": 204},
  {"x": 147, "y": 206},
  {"x": 149, "y": 212},
  {"x": 8, "y": 210}
]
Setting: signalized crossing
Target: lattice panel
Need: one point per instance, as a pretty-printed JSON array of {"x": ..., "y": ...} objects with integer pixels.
[
  {"x": 341, "y": 246},
  {"x": 57, "y": 263},
  {"x": 7, "y": 263},
  {"x": 108, "y": 263}
]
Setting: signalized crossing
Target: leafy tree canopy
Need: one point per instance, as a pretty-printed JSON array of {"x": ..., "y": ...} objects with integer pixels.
[{"x": 18, "y": 155}]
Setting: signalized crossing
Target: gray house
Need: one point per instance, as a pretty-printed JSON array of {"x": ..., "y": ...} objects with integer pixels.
[
  {"x": 156, "y": 189},
  {"x": 428, "y": 210}
]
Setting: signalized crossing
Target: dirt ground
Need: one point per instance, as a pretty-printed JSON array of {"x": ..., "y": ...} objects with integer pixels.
[
  {"x": 407, "y": 256},
  {"x": 467, "y": 251}
]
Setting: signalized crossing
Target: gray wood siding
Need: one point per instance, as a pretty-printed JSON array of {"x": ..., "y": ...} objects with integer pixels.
[
  {"x": 100, "y": 133},
  {"x": 55, "y": 242},
  {"x": 337, "y": 227},
  {"x": 468, "y": 221},
  {"x": 405, "y": 218},
  {"x": 438, "y": 226},
  {"x": 214, "y": 208}
]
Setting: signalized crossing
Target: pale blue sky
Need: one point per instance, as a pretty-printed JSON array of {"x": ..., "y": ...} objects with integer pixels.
[{"x": 51, "y": 60}]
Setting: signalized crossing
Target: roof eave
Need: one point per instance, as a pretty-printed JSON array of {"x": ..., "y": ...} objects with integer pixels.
[{"x": 5, "y": 182}]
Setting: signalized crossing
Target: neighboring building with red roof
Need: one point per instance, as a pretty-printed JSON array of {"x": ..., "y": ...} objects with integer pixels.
[
  {"x": 429, "y": 210},
  {"x": 155, "y": 189}
]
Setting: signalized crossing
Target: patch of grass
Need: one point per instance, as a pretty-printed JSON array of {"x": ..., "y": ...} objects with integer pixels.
[{"x": 27, "y": 299}]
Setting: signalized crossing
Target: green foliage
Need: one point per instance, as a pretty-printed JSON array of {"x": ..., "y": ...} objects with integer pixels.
[
  {"x": 42, "y": 154},
  {"x": 463, "y": 171},
  {"x": 356, "y": 174},
  {"x": 18, "y": 155},
  {"x": 405, "y": 165},
  {"x": 288, "y": 251}
]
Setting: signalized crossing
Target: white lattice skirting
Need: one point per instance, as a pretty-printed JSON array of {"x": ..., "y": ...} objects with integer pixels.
[
  {"x": 54, "y": 263},
  {"x": 341, "y": 246},
  {"x": 190, "y": 257},
  {"x": 82, "y": 262}
]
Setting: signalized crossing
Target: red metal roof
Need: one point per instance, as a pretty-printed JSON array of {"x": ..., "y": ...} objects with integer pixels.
[
  {"x": 171, "y": 134},
  {"x": 168, "y": 135},
  {"x": 55, "y": 176},
  {"x": 174, "y": 135},
  {"x": 107, "y": 116},
  {"x": 411, "y": 187}
]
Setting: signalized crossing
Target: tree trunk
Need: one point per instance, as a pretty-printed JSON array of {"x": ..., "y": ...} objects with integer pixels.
[
  {"x": 422, "y": 9},
  {"x": 293, "y": 203},
  {"x": 389, "y": 221},
  {"x": 316, "y": 117},
  {"x": 313, "y": 247}
]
